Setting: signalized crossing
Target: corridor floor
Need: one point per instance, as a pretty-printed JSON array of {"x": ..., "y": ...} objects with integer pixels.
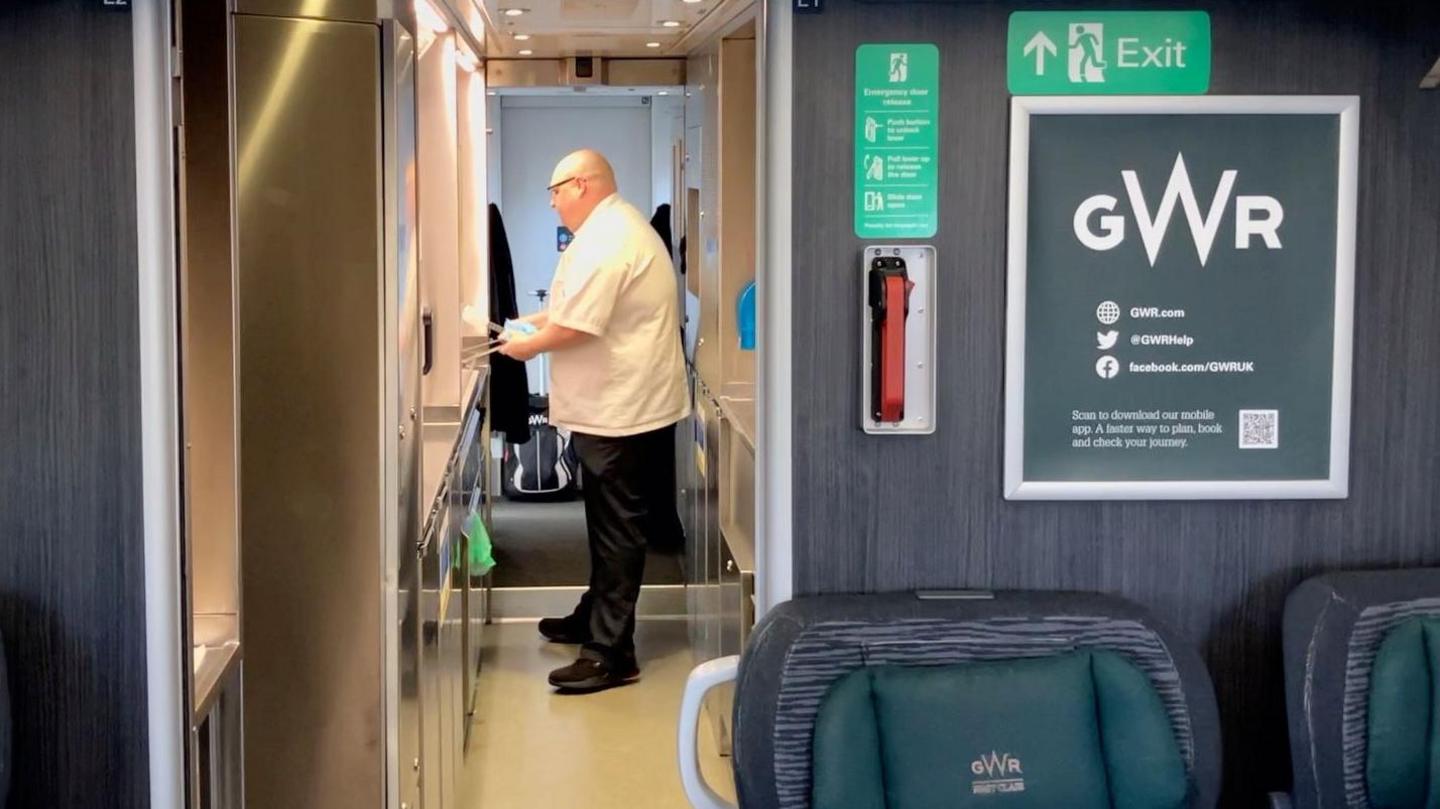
[{"x": 536, "y": 749}]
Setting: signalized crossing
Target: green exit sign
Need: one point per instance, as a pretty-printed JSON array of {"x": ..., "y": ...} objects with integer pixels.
[{"x": 1109, "y": 53}]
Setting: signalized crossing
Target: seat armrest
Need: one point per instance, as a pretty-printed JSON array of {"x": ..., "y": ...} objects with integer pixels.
[{"x": 702, "y": 678}]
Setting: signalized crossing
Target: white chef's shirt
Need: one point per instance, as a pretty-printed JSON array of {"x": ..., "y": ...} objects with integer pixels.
[{"x": 616, "y": 282}]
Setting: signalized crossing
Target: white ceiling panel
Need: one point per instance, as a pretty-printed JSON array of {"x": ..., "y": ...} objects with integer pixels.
[{"x": 614, "y": 28}]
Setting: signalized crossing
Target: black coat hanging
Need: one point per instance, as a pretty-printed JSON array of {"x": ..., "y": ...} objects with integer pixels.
[{"x": 509, "y": 383}]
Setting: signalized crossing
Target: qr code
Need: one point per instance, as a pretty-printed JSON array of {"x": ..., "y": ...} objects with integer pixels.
[{"x": 1259, "y": 429}]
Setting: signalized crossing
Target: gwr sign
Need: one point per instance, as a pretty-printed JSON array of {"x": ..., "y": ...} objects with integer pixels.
[{"x": 1255, "y": 215}]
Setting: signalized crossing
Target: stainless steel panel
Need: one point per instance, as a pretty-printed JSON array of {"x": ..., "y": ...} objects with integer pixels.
[
  {"x": 209, "y": 375},
  {"x": 608, "y": 72},
  {"x": 216, "y": 735},
  {"x": 312, "y": 407},
  {"x": 737, "y": 488},
  {"x": 705, "y": 581},
  {"x": 704, "y": 90},
  {"x": 212, "y": 675},
  {"x": 408, "y": 721},
  {"x": 687, "y": 479},
  {"x": 522, "y": 73},
  {"x": 440, "y": 692},
  {"x": 333, "y": 10},
  {"x": 430, "y": 663},
  {"x": 714, "y": 543},
  {"x": 400, "y": 427},
  {"x": 208, "y": 311},
  {"x": 730, "y": 611},
  {"x": 728, "y": 618},
  {"x": 747, "y": 606},
  {"x": 445, "y": 608},
  {"x": 684, "y": 459},
  {"x": 452, "y": 646},
  {"x": 471, "y": 474},
  {"x": 645, "y": 72},
  {"x": 712, "y": 599},
  {"x": 403, "y": 285}
]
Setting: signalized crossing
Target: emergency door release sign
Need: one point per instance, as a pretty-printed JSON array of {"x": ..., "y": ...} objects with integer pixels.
[{"x": 897, "y": 121}]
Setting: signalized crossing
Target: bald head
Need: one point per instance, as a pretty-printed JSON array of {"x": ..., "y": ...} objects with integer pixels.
[
  {"x": 586, "y": 163},
  {"x": 580, "y": 182}
]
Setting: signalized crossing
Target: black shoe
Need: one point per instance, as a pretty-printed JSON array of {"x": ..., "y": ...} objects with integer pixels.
[
  {"x": 591, "y": 674},
  {"x": 564, "y": 630}
]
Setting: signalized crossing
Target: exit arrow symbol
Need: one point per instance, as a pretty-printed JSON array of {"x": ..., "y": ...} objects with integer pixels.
[{"x": 1039, "y": 44}]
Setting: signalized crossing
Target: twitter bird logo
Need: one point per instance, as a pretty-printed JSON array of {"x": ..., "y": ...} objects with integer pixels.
[{"x": 1106, "y": 340}]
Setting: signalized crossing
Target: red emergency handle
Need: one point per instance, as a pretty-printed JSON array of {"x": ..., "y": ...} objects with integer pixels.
[{"x": 890, "y": 306}]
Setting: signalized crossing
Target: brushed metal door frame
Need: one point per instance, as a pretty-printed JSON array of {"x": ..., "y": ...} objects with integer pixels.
[
  {"x": 332, "y": 10},
  {"x": 401, "y": 502},
  {"x": 774, "y": 478},
  {"x": 310, "y": 261},
  {"x": 159, "y": 405}
]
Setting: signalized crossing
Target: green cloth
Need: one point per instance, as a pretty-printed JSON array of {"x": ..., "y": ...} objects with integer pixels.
[{"x": 482, "y": 559}]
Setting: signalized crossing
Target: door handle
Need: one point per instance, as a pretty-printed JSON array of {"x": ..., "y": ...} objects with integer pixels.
[
  {"x": 889, "y": 299},
  {"x": 427, "y": 324}
]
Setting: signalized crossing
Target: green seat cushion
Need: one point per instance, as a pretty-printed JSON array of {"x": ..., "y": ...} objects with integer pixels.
[
  {"x": 847, "y": 748},
  {"x": 1082, "y": 731},
  {"x": 1402, "y": 768}
]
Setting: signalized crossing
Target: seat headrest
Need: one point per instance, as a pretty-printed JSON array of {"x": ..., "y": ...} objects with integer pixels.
[
  {"x": 1335, "y": 626},
  {"x": 804, "y": 647},
  {"x": 1083, "y": 730},
  {"x": 1402, "y": 766}
]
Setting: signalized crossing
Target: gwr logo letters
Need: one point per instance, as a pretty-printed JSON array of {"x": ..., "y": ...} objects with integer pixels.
[
  {"x": 997, "y": 773},
  {"x": 1255, "y": 215}
]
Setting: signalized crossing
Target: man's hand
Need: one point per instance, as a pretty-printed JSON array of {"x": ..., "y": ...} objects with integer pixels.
[
  {"x": 519, "y": 348},
  {"x": 550, "y": 338}
]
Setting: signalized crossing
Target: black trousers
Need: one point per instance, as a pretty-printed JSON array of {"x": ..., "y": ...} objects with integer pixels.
[{"x": 629, "y": 506}]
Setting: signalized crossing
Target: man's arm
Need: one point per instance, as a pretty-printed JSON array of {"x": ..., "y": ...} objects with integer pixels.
[
  {"x": 550, "y": 338},
  {"x": 539, "y": 320}
]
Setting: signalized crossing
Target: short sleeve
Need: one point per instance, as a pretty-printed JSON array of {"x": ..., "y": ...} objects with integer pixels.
[{"x": 588, "y": 293}]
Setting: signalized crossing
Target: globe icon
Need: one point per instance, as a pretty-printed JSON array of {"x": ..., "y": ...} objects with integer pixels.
[{"x": 1108, "y": 313}]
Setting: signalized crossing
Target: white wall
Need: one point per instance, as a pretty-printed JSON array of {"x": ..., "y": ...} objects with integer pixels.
[
  {"x": 474, "y": 217},
  {"x": 438, "y": 165},
  {"x": 537, "y": 133},
  {"x": 494, "y": 170},
  {"x": 667, "y": 125}
]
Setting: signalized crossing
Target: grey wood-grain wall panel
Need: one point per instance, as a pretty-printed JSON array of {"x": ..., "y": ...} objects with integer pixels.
[
  {"x": 71, "y": 554},
  {"x": 892, "y": 513}
]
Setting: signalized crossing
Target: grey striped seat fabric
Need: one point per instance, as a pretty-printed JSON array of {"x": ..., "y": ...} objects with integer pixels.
[
  {"x": 1334, "y": 625},
  {"x": 803, "y": 647}
]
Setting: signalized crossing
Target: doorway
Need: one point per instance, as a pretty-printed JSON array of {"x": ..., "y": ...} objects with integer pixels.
[
  {"x": 674, "y": 108},
  {"x": 544, "y": 560}
]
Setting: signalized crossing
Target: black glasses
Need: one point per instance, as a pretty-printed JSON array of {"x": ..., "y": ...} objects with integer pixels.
[{"x": 555, "y": 186}]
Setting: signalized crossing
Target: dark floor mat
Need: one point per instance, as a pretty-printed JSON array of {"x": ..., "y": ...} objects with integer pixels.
[{"x": 544, "y": 545}]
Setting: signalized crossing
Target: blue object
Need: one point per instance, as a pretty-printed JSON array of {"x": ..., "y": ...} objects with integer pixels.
[
  {"x": 745, "y": 317},
  {"x": 520, "y": 327}
]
